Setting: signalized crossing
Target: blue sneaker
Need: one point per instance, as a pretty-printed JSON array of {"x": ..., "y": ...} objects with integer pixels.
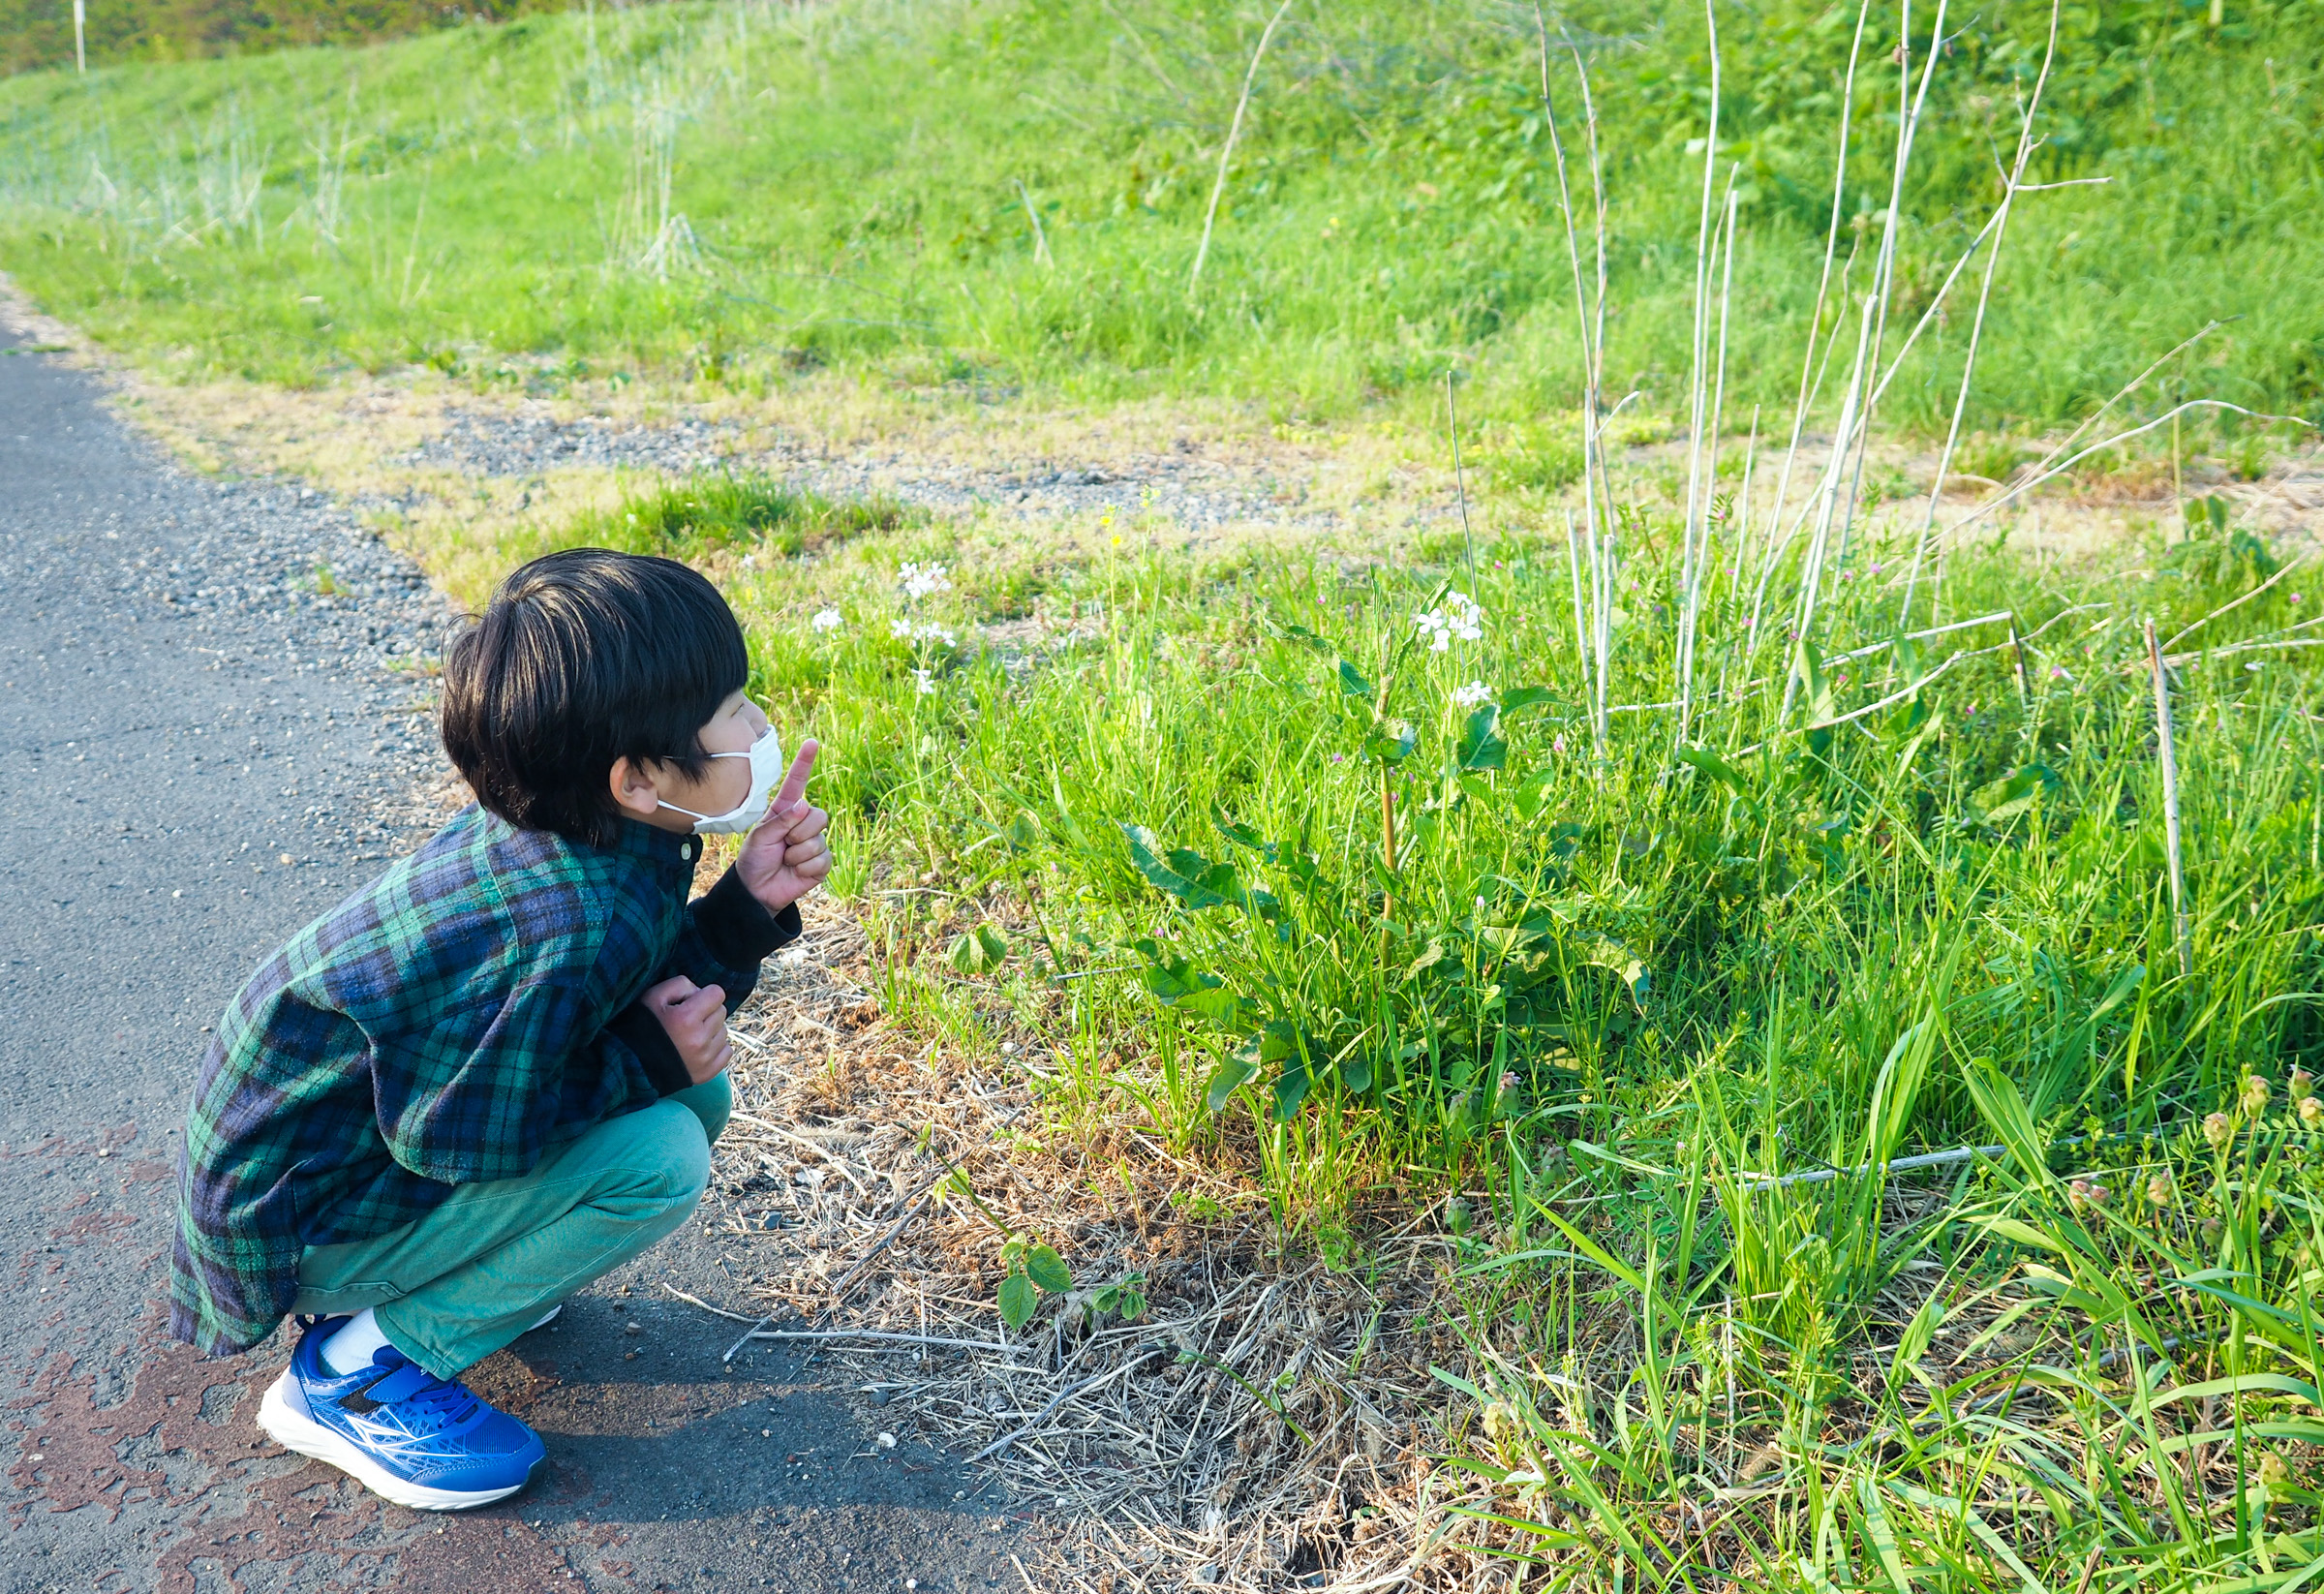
[{"x": 404, "y": 1434}]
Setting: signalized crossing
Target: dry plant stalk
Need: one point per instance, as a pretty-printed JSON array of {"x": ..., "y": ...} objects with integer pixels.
[{"x": 1226, "y": 151}]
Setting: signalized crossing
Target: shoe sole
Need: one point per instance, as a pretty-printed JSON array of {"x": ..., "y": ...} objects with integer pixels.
[{"x": 282, "y": 1419}]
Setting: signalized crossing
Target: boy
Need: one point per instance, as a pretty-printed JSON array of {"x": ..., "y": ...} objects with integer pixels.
[{"x": 494, "y": 1074}]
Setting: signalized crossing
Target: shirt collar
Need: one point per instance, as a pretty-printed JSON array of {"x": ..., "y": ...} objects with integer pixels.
[{"x": 670, "y": 848}]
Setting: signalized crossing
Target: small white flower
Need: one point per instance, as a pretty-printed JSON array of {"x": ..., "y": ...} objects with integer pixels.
[
  {"x": 1459, "y": 620},
  {"x": 901, "y": 629},
  {"x": 923, "y": 580},
  {"x": 1472, "y": 695},
  {"x": 827, "y": 619},
  {"x": 928, "y": 682}
]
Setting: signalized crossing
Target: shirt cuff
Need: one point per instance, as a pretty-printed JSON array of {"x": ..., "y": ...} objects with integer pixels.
[
  {"x": 636, "y": 1028},
  {"x": 735, "y": 928}
]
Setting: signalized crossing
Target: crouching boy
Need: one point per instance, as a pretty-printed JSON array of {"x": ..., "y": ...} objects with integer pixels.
[{"x": 494, "y": 1074}]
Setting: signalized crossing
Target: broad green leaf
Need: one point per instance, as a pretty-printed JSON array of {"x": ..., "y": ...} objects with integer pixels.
[
  {"x": 1231, "y": 1074},
  {"x": 1525, "y": 697},
  {"x": 2014, "y": 792},
  {"x": 1605, "y": 952},
  {"x": 1047, "y": 1268},
  {"x": 1291, "y": 1089},
  {"x": 1145, "y": 853},
  {"x": 1531, "y": 793},
  {"x": 1018, "y": 1299},
  {"x": 978, "y": 951},
  {"x": 1221, "y": 1007},
  {"x": 1352, "y": 683},
  {"x": 1172, "y": 979},
  {"x": 1242, "y": 835},
  {"x": 1807, "y": 664},
  {"x": 1480, "y": 744}
]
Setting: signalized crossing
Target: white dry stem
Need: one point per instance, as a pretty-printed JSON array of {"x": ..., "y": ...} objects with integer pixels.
[
  {"x": 1226, "y": 151},
  {"x": 1884, "y": 278},
  {"x": 1808, "y": 363},
  {"x": 1691, "y": 600},
  {"x": 1041, "y": 255},
  {"x": 2026, "y": 145},
  {"x": 1596, "y": 492},
  {"x": 1697, "y": 391}
]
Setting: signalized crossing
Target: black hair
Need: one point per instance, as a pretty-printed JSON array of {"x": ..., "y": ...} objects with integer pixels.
[{"x": 583, "y": 658}]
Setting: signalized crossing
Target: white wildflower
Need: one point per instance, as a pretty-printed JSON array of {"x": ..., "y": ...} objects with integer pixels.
[
  {"x": 901, "y": 629},
  {"x": 922, "y": 581},
  {"x": 1460, "y": 620},
  {"x": 827, "y": 619},
  {"x": 1472, "y": 695},
  {"x": 928, "y": 682}
]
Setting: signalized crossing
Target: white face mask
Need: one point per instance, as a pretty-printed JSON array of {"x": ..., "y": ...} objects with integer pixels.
[{"x": 766, "y": 772}]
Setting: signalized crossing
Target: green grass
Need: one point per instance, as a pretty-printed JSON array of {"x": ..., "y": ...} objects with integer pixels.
[
  {"x": 729, "y": 195},
  {"x": 36, "y": 34},
  {"x": 1597, "y": 997},
  {"x": 710, "y": 515}
]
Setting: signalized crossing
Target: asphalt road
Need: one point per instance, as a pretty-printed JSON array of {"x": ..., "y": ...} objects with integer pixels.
[{"x": 203, "y": 744}]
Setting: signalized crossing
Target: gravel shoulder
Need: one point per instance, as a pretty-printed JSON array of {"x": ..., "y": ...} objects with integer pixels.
[{"x": 214, "y": 722}]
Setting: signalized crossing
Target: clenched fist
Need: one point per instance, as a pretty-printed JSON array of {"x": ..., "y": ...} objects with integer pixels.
[{"x": 694, "y": 1017}]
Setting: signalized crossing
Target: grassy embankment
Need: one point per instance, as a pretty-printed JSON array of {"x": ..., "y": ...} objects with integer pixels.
[
  {"x": 1502, "y": 925},
  {"x": 1010, "y": 198}
]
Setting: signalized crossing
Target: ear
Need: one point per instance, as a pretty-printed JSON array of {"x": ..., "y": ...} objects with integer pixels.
[{"x": 633, "y": 791}]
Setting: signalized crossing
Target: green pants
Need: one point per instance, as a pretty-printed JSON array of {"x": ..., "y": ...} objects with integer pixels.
[{"x": 461, "y": 1282}]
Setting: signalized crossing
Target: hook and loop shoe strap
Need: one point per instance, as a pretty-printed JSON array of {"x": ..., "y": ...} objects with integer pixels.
[{"x": 394, "y": 1388}]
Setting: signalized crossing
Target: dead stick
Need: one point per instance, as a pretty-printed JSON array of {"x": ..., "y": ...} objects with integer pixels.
[
  {"x": 1070, "y": 1391},
  {"x": 838, "y": 1290},
  {"x": 884, "y": 1338},
  {"x": 2168, "y": 751}
]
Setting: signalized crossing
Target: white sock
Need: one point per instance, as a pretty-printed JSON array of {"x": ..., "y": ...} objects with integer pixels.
[{"x": 348, "y": 1348}]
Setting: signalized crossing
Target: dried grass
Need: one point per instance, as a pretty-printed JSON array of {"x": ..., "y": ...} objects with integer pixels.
[{"x": 1149, "y": 1440}]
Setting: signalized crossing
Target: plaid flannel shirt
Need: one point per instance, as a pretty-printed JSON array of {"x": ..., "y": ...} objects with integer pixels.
[{"x": 475, "y": 1005}]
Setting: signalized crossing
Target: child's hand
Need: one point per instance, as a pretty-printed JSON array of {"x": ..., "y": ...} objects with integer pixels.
[
  {"x": 694, "y": 1017},
  {"x": 786, "y": 856}
]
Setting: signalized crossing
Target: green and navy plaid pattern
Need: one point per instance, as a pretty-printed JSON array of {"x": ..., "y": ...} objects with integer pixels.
[{"x": 447, "y": 1026}]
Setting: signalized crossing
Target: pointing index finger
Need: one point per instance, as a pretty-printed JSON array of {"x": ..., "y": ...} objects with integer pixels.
[{"x": 794, "y": 784}]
